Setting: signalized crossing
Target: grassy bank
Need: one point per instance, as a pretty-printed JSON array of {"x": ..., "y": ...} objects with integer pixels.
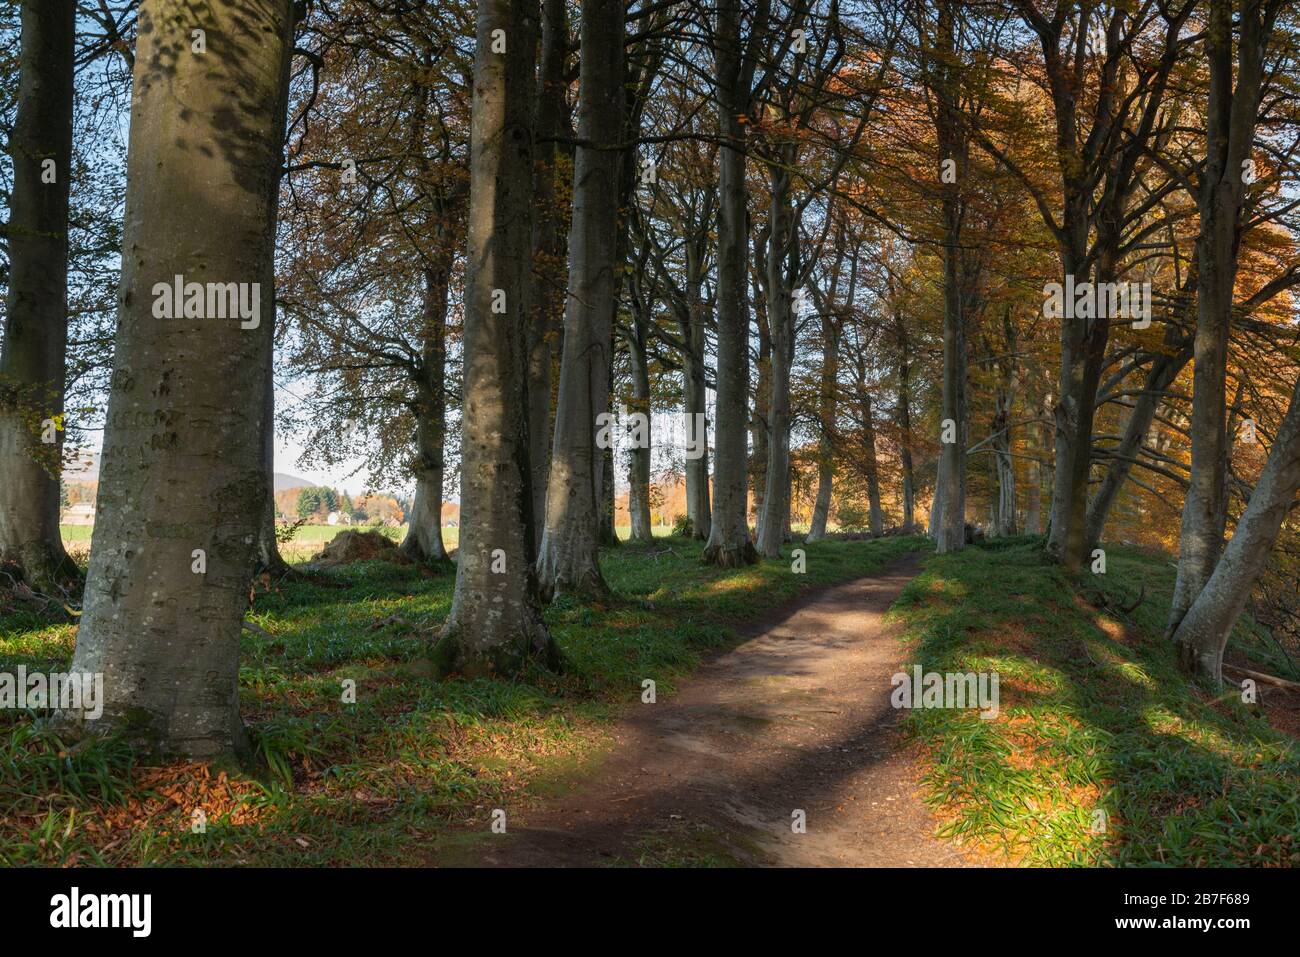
[
  {"x": 396, "y": 777},
  {"x": 1094, "y": 718}
]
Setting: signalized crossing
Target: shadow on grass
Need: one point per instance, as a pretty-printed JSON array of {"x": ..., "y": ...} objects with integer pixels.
[{"x": 1095, "y": 718}]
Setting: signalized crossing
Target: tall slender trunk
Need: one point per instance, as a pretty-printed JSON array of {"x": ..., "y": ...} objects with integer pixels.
[
  {"x": 495, "y": 623},
  {"x": 1034, "y": 493},
  {"x": 639, "y": 456},
  {"x": 549, "y": 263},
  {"x": 760, "y": 418},
  {"x": 904, "y": 416},
  {"x": 424, "y": 528},
  {"x": 826, "y": 394},
  {"x": 951, "y": 530},
  {"x": 876, "y": 513},
  {"x": 568, "y": 558},
  {"x": 729, "y": 542},
  {"x": 32, "y": 361},
  {"x": 695, "y": 393},
  {"x": 182, "y": 487},
  {"x": 780, "y": 317}
]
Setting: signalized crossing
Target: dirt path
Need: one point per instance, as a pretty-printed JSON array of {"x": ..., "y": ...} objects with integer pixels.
[{"x": 795, "y": 718}]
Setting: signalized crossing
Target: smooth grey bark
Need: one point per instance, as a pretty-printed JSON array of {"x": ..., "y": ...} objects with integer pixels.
[
  {"x": 1202, "y": 633},
  {"x": 826, "y": 411},
  {"x": 495, "y": 624},
  {"x": 568, "y": 560},
  {"x": 904, "y": 416},
  {"x": 729, "y": 543},
  {"x": 183, "y": 480},
  {"x": 876, "y": 514},
  {"x": 33, "y": 358},
  {"x": 1034, "y": 493},
  {"x": 780, "y": 251},
  {"x": 759, "y": 417},
  {"x": 695, "y": 394},
  {"x": 549, "y": 260},
  {"x": 951, "y": 526},
  {"x": 424, "y": 527},
  {"x": 1230, "y": 134},
  {"x": 639, "y": 455}
]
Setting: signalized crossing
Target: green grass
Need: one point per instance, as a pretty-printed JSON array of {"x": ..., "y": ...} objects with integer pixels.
[
  {"x": 413, "y": 770},
  {"x": 1094, "y": 716}
]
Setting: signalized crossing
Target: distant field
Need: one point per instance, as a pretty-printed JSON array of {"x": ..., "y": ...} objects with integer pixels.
[{"x": 307, "y": 541}]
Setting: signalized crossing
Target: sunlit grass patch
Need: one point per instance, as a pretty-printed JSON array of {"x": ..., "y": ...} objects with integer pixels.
[{"x": 1102, "y": 753}]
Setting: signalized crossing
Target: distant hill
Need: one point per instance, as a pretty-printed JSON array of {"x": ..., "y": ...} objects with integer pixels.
[{"x": 285, "y": 481}]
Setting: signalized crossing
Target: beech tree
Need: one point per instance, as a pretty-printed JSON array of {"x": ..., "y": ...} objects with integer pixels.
[
  {"x": 567, "y": 562},
  {"x": 33, "y": 353},
  {"x": 182, "y": 483},
  {"x": 495, "y": 623}
]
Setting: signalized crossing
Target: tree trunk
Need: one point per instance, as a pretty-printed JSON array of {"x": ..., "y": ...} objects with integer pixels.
[
  {"x": 1202, "y": 633},
  {"x": 269, "y": 559},
  {"x": 780, "y": 317},
  {"x": 695, "y": 392},
  {"x": 760, "y": 418},
  {"x": 32, "y": 362},
  {"x": 495, "y": 623},
  {"x": 951, "y": 529},
  {"x": 549, "y": 262},
  {"x": 1230, "y": 132},
  {"x": 568, "y": 558},
  {"x": 729, "y": 543},
  {"x": 905, "y": 428},
  {"x": 826, "y": 416},
  {"x": 424, "y": 527},
  {"x": 1164, "y": 370},
  {"x": 182, "y": 487},
  {"x": 639, "y": 465},
  {"x": 877, "y": 516}
]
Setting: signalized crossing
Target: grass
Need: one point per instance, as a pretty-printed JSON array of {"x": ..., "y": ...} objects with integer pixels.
[
  {"x": 1095, "y": 717},
  {"x": 411, "y": 772}
]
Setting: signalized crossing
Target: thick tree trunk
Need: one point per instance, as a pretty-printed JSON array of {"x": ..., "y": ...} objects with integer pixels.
[
  {"x": 568, "y": 557},
  {"x": 1202, "y": 633},
  {"x": 695, "y": 392},
  {"x": 424, "y": 527},
  {"x": 729, "y": 543},
  {"x": 549, "y": 261},
  {"x": 32, "y": 361},
  {"x": 182, "y": 487},
  {"x": 1230, "y": 131},
  {"x": 495, "y": 623}
]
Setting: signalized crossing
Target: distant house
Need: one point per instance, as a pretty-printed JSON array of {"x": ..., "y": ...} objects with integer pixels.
[
  {"x": 338, "y": 518},
  {"x": 83, "y": 513}
]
